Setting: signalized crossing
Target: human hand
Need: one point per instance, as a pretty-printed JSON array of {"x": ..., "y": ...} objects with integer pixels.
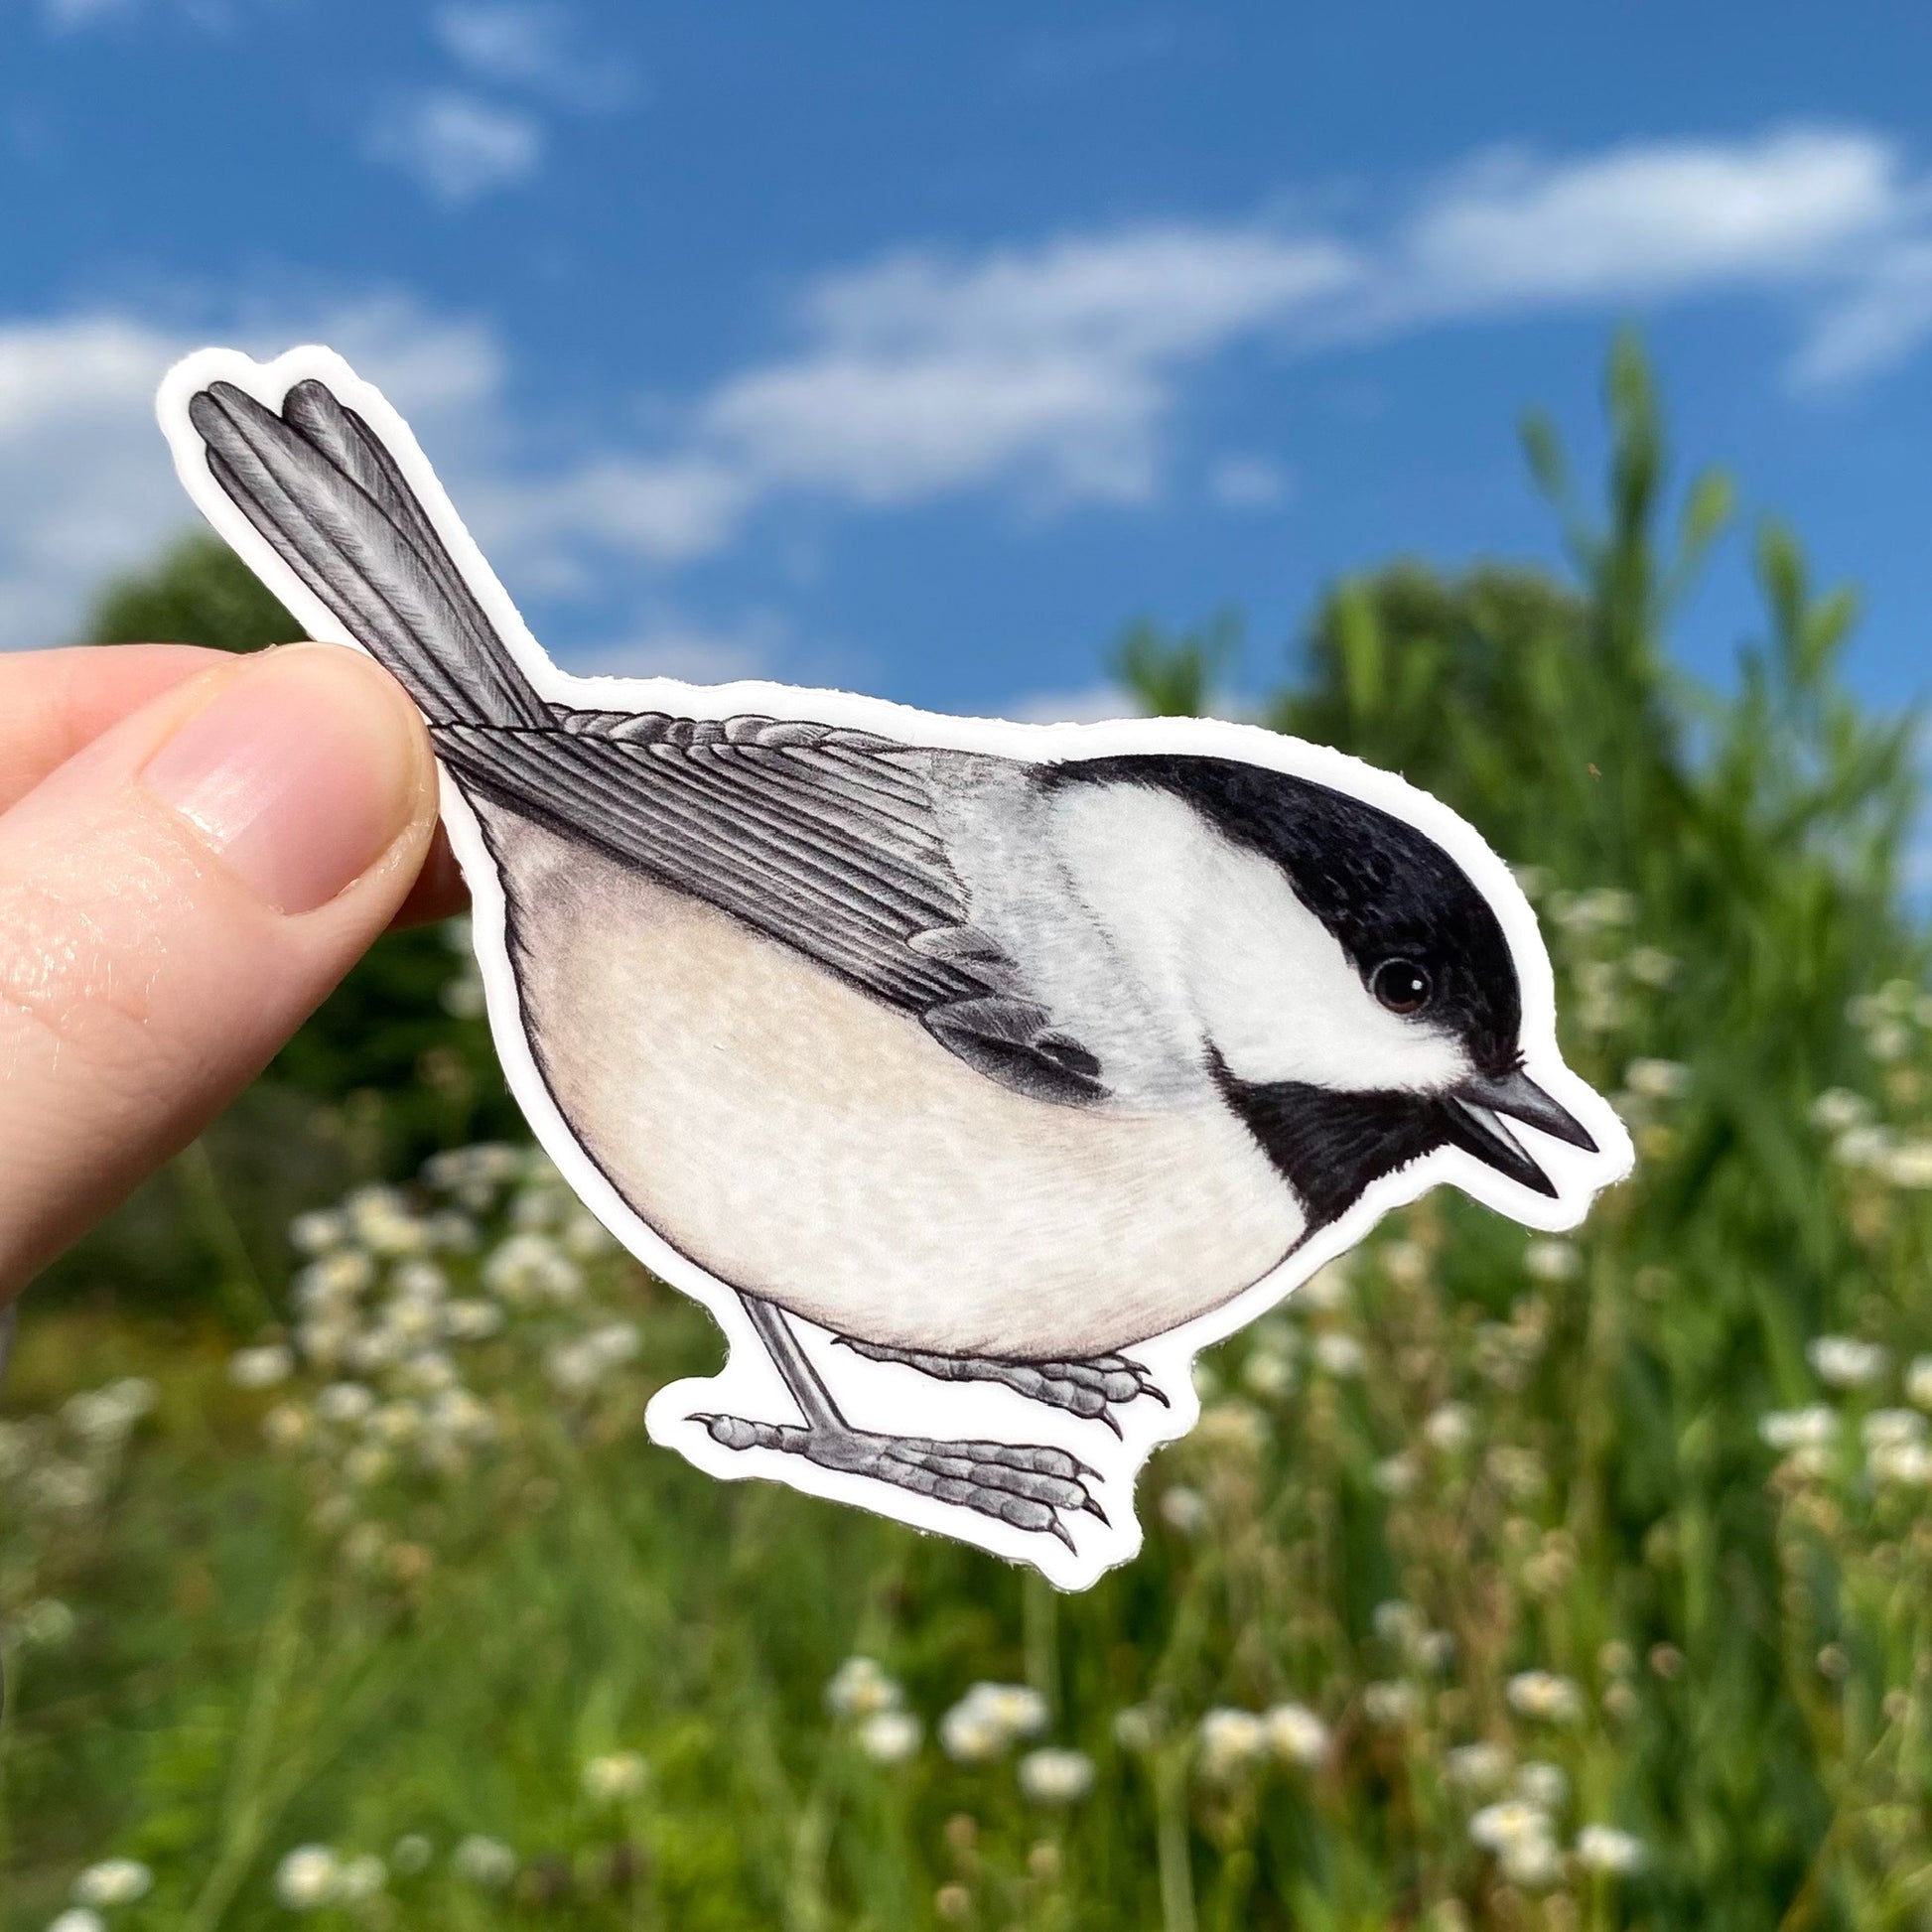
[{"x": 193, "y": 849}]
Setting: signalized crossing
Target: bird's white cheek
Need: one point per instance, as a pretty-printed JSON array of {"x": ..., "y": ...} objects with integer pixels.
[
  {"x": 1227, "y": 954},
  {"x": 1282, "y": 1002}
]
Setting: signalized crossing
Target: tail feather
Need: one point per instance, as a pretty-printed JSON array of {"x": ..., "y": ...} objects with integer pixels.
[{"x": 332, "y": 502}]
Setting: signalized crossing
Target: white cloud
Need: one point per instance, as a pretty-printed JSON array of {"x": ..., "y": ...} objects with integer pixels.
[
  {"x": 533, "y": 47},
  {"x": 458, "y": 146},
  {"x": 1650, "y": 220},
  {"x": 1248, "y": 483},
  {"x": 1052, "y": 367},
  {"x": 1884, "y": 314}
]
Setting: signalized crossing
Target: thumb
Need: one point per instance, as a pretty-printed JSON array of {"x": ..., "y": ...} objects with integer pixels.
[{"x": 174, "y": 902}]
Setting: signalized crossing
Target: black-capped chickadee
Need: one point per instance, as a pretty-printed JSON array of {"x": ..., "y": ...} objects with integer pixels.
[{"x": 991, "y": 1067}]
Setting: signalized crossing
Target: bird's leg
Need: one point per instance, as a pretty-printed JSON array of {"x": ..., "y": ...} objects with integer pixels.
[
  {"x": 1024, "y": 1484},
  {"x": 1089, "y": 1389}
]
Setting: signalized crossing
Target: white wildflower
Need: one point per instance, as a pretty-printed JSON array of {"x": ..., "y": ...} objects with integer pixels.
[
  {"x": 334, "y": 1279},
  {"x": 1477, "y": 1768},
  {"x": 1910, "y": 1465},
  {"x": 1396, "y": 1622},
  {"x": 1234, "y": 1430},
  {"x": 458, "y": 1415},
  {"x": 411, "y": 1854},
  {"x": 396, "y": 1422},
  {"x": 1891, "y": 1428},
  {"x": 1888, "y": 1043},
  {"x": 1918, "y": 1381},
  {"x": 858, "y": 1688},
  {"x": 1137, "y": 1728},
  {"x": 1862, "y": 1147},
  {"x": 1544, "y": 1695},
  {"x": 429, "y": 1373},
  {"x": 383, "y": 1223},
  {"x": 1268, "y": 1373},
  {"x": 891, "y": 1737},
  {"x": 471, "y": 1320},
  {"x": 317, "y": 1231},
  {"x": 1449, "y": 1429},
  {"x": 105, "y": 1414},
  {"x": 615, "y": 1776},
  {"x": 1184, "y": 1509},
  {"x": 307, "y": 1878},
  {"x": 1517, "y": 1471},
  {"x": 345, "y": 1402},
  {"x": 287, "y": 1426},
  {"x": 1909, "y": 1165},
  {"x": 1326, "y": 1289},
  {"x": 1391, "y": 1706},
  {"x": 261, "y": 1368},
  {"x": 1550, "y": 1260},
  {"x": 1542, "y": 1783},
  {"x": 367, "y": 1464},
  {"x": 1602, "y": 1848},
  {"x": 419, "y": 1280},
  {"x": 1651, "y": 966},
  {"x": 450, "y": 1230},
  {"x": 77, "y": 1918},
  {"x": 1843, "y": 1362},
  {"x": 483, "y": 1861},
  {"x": 1397, "y": 1475},
  {"x": 1230, "y": 1740},
  {"x": 1406, "y": 1263},
  {"x": 530, "y": 1267},
  {"x": 62, "y": 1488},
  {"x": 1295, "y": 1735},
  {"x": 1338, "y": 1355},
  {"x": 113, "y": 1881},
  {"x": 1055, "y": 1776},
  {"x": 45, "y": 1625},
  {"x": 987, "y": 1719},
  {"x": 1838, "y": 1110},
  {"x": 361, "y": 1879},
  {"x": 1811, "y": 1428},
  {"x": 586, "y": 1237},
  {"x": 1658, "y": 1079},
  {"x": 1522, "y": 1839}
]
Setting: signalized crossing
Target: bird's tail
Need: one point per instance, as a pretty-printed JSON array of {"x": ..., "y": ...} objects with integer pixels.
[{"x": 323, "y": 491}]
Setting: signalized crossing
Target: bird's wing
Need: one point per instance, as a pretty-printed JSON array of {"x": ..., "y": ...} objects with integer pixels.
[{"x": 823, "y": 839}]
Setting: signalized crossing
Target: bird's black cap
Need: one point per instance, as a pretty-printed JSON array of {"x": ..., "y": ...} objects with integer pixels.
[{"x": 1386, "y": 891}]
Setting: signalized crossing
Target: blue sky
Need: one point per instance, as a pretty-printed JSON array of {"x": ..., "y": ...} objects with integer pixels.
[{"x": 916, "y": 349}]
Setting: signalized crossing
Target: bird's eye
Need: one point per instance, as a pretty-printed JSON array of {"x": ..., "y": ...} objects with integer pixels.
[{"x": 1401, "y": 985}]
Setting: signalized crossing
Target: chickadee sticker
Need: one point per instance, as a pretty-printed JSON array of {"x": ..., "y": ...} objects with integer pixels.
[{"x": 974, "y": 1075}]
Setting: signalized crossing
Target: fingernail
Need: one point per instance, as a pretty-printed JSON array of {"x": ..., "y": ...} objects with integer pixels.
[{"x": 300, "y": 774}]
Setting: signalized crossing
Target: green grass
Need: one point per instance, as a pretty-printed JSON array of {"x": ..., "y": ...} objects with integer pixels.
[{"x": 1475, "y": 1490}]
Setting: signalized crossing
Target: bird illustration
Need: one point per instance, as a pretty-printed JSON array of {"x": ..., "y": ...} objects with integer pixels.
[{"x": 991, "y": 1067}]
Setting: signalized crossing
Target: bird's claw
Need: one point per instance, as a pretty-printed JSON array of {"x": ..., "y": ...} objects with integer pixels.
[
  {"x": 1024, "y": 1484},
  {"x": 1089, "y": 1389}
]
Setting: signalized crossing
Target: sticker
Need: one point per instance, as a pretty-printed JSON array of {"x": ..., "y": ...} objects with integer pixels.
[{"x": 974, "y": 1075}]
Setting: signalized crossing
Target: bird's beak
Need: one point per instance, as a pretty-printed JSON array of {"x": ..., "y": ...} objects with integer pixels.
[{"x": 1471, "y": 1109}]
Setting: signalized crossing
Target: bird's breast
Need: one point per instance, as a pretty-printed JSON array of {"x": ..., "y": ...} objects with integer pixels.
[{"x": 804, "y": 1141}]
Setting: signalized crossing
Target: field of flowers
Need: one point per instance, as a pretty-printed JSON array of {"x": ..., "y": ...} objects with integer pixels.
[{"x": 1511, "y": 1582}]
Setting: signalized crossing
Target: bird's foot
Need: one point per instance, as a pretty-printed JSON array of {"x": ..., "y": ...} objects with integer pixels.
[
  {"x": 1024, "y": 1484},
  {"x": 1088, "y": 1389}
]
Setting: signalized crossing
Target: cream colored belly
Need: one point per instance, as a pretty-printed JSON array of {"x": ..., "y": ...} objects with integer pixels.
[{"x": 814, "y": 1147}]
